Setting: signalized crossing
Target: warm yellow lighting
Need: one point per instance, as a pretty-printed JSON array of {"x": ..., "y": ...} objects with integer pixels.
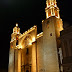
[
  {"x": 20, "y": 46},
  {"x": 57, "y": 17},
  {"x": 30, "y": 43},
  {"x": 11, "y": 46},
  {"x": 17, "y": 32},
  {"x": 40, "y": 35},
  {"x": 31, "y": 29},
  {"x": 25, "y": 31},
  {"x": 17, "y": 46},
  {"x": 47, "y": 14},
  {"x": 50, "y": 9},
  {"x": 16, "y": 24},
  {"x": 33, "y": 39},
  {"x": 42, "y": 20},
  {"x": 34, "y": 26},
  {"x": 12, "y": 40}
]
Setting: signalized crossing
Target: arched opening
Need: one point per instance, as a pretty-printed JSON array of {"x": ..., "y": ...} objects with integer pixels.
[{"x": 49, "y": 12}]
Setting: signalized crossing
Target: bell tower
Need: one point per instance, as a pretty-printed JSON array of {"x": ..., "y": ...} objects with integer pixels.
[
  {"x": 51, "y": 27},
  {"x": 51, "y": 9},
  {"x": 14, "y": 53},
  {"x": 16, "y": 33}
]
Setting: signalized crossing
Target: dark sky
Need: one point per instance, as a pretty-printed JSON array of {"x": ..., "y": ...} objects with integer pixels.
[{"x": 27, "y": 13}]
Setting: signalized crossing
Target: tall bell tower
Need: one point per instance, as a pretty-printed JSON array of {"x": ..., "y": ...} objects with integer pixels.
[{"x": 51, "y": 27}]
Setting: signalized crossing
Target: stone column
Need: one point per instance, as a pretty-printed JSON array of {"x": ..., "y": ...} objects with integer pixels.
[
  {"x": 19, "y": 60},
  {"x": 34, "y": 57},
  {"x": 40, "y": 55}
]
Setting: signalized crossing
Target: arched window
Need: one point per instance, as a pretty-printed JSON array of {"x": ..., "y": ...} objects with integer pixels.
[
  {"x": 49, "y": 13},
  {"x": 56, "y": 13}
]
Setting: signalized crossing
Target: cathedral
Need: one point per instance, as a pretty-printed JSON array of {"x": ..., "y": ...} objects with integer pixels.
[{"x": 32, "y": 52}]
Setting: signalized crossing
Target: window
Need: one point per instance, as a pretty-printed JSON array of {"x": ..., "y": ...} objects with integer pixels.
[
  {"x": 17, "y": 42},
  {"x": 17, "y": 38},
  {"x": 50, "y": 34},
  {"x": 56, "y": 13},
  {"x": 49, "y": 13}
]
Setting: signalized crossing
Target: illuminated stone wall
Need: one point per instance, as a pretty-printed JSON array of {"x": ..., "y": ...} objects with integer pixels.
[
  {"x": 40, "y": 55},
  {"x": 11, "y": 61},
  {"x": 16, "y": 60},
  {"x": 27, "y": 41},
  {"x": 50, "y": 44},
  {"x": 19, "y": 60},
  {"x": 34, "y": 57},
  {"x": 42, "y": 48},
  {"x": 11, "y": 67}
]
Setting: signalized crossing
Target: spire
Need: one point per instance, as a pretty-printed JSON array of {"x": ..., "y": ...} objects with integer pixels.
[
  {"x": 16, "y": 24},
  {"x": 16, "y": 29},
  {"x": 51, "y": 9}
]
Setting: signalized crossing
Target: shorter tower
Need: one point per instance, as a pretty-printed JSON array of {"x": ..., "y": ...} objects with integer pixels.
[
  {"x": 13, "y": 53},
  {"x": 16, "y": 33},
  {"x": 52, "y": 9},
  {"x": 22, "y": 54}
]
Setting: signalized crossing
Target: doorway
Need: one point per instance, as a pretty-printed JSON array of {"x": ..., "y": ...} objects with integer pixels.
[{"x": 27, "y": 70}]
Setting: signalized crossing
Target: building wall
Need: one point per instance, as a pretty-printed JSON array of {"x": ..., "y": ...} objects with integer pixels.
[
  {"x": 66, "y": 44},
  {"x": 11, "y": 57},
  {"x": 40, "y": 55},
  {"x": 34, "y": 67},
  {"x": 16, "y": 60},
  {"x": 28, "y": 60},
  {"x": 43, "y": 51},
  {"x": 11, "y": 61},
  {"x": 50, "y": 35}
]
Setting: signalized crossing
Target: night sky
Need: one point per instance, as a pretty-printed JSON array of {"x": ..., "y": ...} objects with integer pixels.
[{"x": 26, "y": 13}]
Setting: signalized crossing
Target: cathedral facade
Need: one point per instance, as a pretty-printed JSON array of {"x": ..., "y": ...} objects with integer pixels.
[{"x": 32, "y": 52}]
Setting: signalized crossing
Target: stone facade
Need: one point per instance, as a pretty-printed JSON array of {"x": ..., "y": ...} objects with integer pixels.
[
  {"x": 32, "y": 52},
  {"x": 36, "y": 53},
  {"x": 51, "y": 44}
]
